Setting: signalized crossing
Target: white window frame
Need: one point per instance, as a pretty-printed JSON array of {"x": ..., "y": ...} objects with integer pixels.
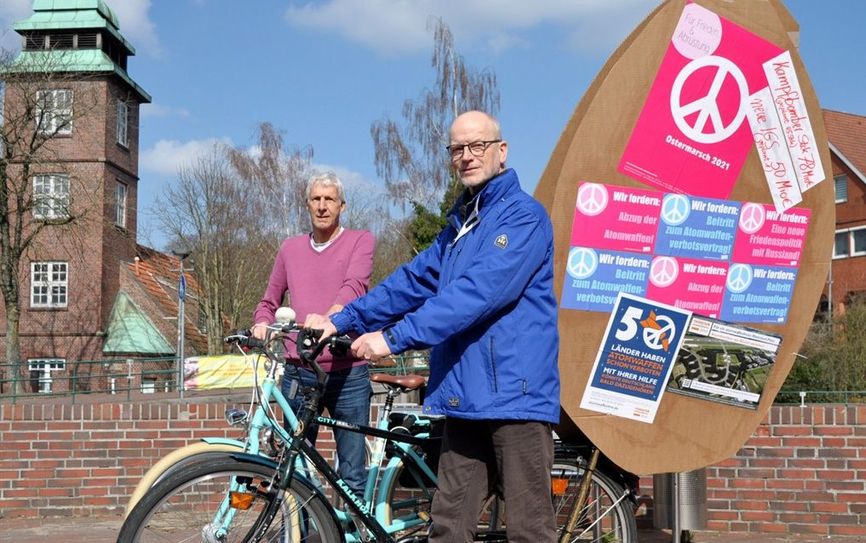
[
  {"x": 121, "y": 192},
  {"x": 847, "y": 244},
  {"x": 843, "y": 177},
  {"x": 46, "y": 366},
  {"x": 54, "y": 112},
  {"x": 50, "y": 196},
  {"x": 122, "y": 123},
  {"x": 49, "y": 285},
  {"x": 852, "y": 246}
]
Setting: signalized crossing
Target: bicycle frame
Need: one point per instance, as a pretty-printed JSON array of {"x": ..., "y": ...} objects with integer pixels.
[{"x": 305, "y": 461}]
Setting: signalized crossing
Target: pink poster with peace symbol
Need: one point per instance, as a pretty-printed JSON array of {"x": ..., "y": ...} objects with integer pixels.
[
  {"x": 767, "y": 237},
  {"x": 692, "y": 135},
  {"x": 616, "y": 218},
  {"x": 687, "y": 283}
]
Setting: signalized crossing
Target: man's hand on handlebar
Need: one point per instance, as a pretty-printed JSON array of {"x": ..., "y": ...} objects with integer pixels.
[
  {"x": 371, "y": 347},
  {"x": 260, "y": 330},
  {"x": 320, "y": 322}
]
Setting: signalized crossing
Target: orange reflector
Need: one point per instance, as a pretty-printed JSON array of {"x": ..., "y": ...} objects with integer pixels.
[
  {"x": 559, "y": 486},
  {"x": 241, "y": 500}
]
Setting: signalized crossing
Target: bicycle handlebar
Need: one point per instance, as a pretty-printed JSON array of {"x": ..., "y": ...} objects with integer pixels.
[{"x": 310, "y": 347}]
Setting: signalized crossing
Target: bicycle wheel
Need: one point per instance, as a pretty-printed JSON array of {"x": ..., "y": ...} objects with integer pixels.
[
  {"x": 406, "y": 510},
  {"x": 411, "y": 506},
  {"x": 179, "y": 460},
  {"x": 186, "y": 505},
  {"x": 607, "y": 517}
]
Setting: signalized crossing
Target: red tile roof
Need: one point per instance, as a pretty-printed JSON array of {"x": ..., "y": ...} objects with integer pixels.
[
  {"x": 847, "y": 132},
  {"x": 158, "y": 274}
]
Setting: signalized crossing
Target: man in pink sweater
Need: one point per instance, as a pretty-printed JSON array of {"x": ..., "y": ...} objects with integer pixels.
[{"x": 321, "y": 272}]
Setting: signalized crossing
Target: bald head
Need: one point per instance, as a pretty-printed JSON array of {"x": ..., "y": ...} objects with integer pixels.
[{"x": 478, "y": 152}]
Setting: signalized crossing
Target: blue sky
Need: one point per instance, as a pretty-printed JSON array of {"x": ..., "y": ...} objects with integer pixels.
[{"x": 323, "y": 71}]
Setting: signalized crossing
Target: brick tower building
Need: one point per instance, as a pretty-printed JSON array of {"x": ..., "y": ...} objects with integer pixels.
[{"x": 81, "y": 187}]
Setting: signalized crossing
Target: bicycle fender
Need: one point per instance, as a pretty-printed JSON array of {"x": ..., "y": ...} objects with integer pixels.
[
  {"x": 223, "y": 441},
  {"x": 156, "y": 471}
]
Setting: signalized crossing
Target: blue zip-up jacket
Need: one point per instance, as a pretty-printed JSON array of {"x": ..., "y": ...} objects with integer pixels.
[{"x": 484, "y": 301}]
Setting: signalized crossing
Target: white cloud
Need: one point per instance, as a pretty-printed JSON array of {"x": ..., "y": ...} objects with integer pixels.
[
  {"x": 398, "y": 26},
  {"x": 166, "y": 157},
  {"x": 158, "y": 110},
  {"x": 136, "y": 25}
]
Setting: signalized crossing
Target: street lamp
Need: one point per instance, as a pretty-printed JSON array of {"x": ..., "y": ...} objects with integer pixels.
[{"x": 181, "y": 296}]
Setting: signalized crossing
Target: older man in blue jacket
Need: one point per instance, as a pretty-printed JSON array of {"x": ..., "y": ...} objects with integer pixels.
[{"x": 481, "y": 296}]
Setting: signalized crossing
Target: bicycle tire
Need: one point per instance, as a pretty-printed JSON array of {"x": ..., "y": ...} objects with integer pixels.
[
  {"x": 182, "y": 506},
  {"x": 415, "y": 500},
  {"x": 400, "y": 501},
  {"x": 608, "y": 515},
  {"x": 178, "y": 460}
]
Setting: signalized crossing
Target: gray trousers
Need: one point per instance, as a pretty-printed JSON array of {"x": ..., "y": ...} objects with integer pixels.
[{"x": 476, "y": 454}]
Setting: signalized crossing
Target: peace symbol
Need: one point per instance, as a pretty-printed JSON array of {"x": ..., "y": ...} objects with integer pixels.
[
  {"x": 675, "y": 209},
  {"x": 592, "y": 199},
  {"x": 707, "y": 107},
  {"x": 582, "y": 262},
  {"x": 751, "y": 217},
  {"x": 657, "y": 338},
  {"x": 664, "y": 271},
  {"x": 739, "y": 278}
]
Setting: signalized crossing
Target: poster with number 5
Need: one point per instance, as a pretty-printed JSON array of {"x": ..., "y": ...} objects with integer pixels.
[
  {"x": 635, "y": 359},
  {"x": 692, "y": 135}
]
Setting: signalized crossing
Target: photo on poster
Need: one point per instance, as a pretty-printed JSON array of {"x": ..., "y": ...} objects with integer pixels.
[{"x": 724, "y": 362}]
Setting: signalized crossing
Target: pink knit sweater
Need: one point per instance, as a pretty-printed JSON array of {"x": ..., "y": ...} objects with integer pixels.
[{"x": 315, "y": 281}]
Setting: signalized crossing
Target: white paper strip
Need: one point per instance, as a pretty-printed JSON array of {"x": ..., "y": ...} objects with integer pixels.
[
  {"x": 773, "y": 152},
  {"x": 789, "y": 102}
]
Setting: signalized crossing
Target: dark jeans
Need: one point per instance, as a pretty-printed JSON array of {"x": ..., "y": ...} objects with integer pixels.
[
  {"x": 347, "y": 398},
  {"x": 477, "y": 453}
]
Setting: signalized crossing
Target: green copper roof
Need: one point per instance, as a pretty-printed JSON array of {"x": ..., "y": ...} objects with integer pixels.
[
  {"x": 73, "y": 60},
  {"x": 131, "y": 331},
  {"x": 73, "y": 14}
]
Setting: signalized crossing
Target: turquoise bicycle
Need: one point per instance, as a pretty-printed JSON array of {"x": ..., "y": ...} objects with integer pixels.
[{"x": 239, "y": 496}]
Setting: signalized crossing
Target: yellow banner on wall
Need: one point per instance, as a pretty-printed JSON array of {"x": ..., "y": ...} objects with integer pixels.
[{"x": 222, "y": 371}]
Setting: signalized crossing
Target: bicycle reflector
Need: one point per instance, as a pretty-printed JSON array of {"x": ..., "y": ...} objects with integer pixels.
[
  {"x": 559, "y": 486},
  {"x": 241, "y": 500}
]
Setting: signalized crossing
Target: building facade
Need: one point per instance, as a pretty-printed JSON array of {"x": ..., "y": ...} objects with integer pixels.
[
  {"x": 79, "y": 301},
  {"x": 846, "y": 134}
]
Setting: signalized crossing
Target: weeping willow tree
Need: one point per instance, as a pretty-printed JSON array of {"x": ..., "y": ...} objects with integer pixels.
[{"x": 410, "y": 153}]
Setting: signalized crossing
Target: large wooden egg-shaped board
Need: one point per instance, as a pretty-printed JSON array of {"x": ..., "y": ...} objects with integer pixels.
[{"x": 687, "y": 433}]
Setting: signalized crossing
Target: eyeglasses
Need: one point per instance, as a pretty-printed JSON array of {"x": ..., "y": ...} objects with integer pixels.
[{"x": 476, "y": 148}]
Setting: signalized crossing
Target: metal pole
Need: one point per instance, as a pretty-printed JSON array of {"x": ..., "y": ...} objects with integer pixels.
[
  {"x": 181, "y": 296},
  {"x": 675, "y": 489},
  {"x": 830, "y": 294}
]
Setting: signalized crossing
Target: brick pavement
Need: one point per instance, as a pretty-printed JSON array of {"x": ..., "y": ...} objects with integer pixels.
[{"x": 104, "y": 530}]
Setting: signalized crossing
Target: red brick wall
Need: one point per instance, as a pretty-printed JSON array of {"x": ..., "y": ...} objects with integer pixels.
[{"x": 804, "y": 470}]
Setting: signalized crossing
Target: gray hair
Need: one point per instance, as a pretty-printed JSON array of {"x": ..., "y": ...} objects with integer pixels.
[{"x": 327, "y": 179}]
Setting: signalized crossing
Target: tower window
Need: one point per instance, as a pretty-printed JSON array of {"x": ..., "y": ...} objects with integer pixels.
[
  {"x": 49, "y": 284},
  {"x": 50, "y": 197},
  {"x": 61, "y": 41},
  {"x": 54, "y": 112},
  {"x": 120, "y": 204},
  {"x": 87, "y": 41},
  {"x": 122, "y": 123}
]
